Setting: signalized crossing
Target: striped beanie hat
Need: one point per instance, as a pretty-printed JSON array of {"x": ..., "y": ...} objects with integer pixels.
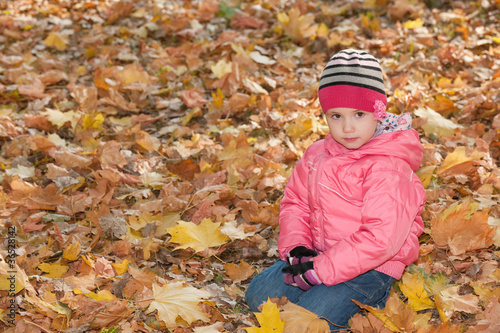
[{"x": 353, "y": 79}]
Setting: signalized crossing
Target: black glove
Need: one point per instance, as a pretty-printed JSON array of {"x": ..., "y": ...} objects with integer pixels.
[
  {"x": 302, "y": 251},
  {"x": 301, "y": 275},
  {"x": 298, "y": 268}
]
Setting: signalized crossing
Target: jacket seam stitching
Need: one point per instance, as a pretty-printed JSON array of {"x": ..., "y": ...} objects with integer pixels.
[{"x": 340, "y": 195}]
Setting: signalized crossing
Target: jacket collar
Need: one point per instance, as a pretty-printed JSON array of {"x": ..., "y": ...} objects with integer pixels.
[{"x": 404, "y": 145}]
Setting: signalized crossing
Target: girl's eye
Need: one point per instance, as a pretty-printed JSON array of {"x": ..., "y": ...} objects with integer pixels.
[
  {"x": 360, "y": 114},
  {"x": 335, "y": 116}
]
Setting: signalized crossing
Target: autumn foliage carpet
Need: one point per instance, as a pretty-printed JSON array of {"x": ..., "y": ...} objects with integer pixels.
[{"x": 145, "y": 146}]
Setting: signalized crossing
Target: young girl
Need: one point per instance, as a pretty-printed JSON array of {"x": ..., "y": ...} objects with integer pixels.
[{"x": 350, "y": 215}]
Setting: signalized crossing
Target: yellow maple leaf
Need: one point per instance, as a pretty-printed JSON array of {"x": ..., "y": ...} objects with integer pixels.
[
  {"x": 425, "y": 174},
  {"x": 122, "y": 267},
  {"x": 269, "y": 320},
  {"x": 412, "y": 287},
  {"x": 297, "y": 319},
  {"x": 102, "y": 295},
  {"x": 218, "y": 98},
  {"x": 198, "y": 237},
  {"x": 6, "y": 283},
  {"x": 322, "y": 30},
  {"x": 414, "y": 24},
  {"x": 301, "y": 127},
  {"x": 457, "y": 158},
  {"x": 55, "y": 40},
  {"x": 54, "y": 271},
  {"x": 93, "y": 122},
  {"x": 72, "y": 252},
  {"x": 174, "y": 299}
]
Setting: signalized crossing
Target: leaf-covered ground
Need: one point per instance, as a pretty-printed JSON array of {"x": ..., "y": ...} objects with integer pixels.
[{"x": 145, "y": 146}]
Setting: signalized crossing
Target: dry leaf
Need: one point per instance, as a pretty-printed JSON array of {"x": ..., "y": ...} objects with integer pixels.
[
  {"x": 412, "y": 287},
  {"x": 452, "y": 164},
  {"x": 435, "y": 122},
  {"x": 173, "y": 299},
  {"x": 269, "y": 320},
  {"x": 55, "y": 40},
  {"x": 396, "y": 316},
  {"x": 72, "y": 252},
  {"x": 239, "y": 273},
  {"x": 54, "y": 270},
  {"x": 198, "y": 237},
  {"x": 299, "y": 320},
  {"x": 462, "y": 230}
]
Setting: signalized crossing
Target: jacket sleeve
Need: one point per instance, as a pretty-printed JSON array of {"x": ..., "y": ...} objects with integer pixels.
[
  {"x": 391, "y": 204},
  {"x": 294, "y": 211}
]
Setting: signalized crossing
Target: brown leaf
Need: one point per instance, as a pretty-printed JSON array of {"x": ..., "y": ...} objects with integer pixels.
[
  {"x": 239, "y": 273},
  {"x": 65, "y": 157},
  {"x": 110, "y": 155},
  {"x": 462, "y": 230},
  {"x": 192, "y": 97},
  {"x": 8, "y": 129},
  {"x": 86, "y": 97},
  {"x": 111, "y": 313},
  {"x": 34, "y": 89},
  {"x": 37, "y": 121}
]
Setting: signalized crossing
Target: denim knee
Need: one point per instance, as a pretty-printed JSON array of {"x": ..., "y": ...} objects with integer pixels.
[{"x": 269, "y": 283}]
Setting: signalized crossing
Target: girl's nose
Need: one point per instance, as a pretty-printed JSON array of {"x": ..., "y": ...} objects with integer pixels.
[{"x": 348, "y": 127}]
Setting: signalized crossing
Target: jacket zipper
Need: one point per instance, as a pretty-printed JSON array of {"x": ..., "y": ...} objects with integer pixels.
[{"x": 316, "y": 202}]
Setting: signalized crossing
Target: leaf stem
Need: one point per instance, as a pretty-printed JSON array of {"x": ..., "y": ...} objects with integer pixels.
[{"x": 40, "y": 327}]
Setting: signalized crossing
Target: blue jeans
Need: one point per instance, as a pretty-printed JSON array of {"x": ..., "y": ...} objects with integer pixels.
[{"x": 332, "y": 302}]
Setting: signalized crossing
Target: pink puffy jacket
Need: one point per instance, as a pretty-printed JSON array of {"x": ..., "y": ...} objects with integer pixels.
[{"x": 359, "y": 209}]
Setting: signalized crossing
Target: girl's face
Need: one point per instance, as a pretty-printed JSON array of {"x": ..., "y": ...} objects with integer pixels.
[{"x": 350, "y": 127}]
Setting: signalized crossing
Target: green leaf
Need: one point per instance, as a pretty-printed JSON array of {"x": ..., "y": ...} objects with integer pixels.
[{"x": 225, "y": 11}]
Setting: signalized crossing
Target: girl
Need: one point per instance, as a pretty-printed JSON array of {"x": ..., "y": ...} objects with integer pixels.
[{"x": 350, "y": 215}]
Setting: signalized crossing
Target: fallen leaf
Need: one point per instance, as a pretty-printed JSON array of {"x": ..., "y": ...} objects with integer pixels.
[
  {"x": 174, "y": 299},
  {"x": 234, "y": 231},
  {"x": 435, "y": 122},
  {"x": 396, "y": 316},
  {"x": 239, "y": 273},
  {"x": 269, "y": 320},
  {"x": 72, "y": 252},
  {"x": 456, "y": 158},
  {"x": 412, "y": 287},
  {"x": 198, "y": 237},
  {"x": 461, "y": 230},
  {"x": 413, "y": 24},
  {"x": 54, "y": 270},
  {"x": 56, "y": 40},
  {"x": 299, "y": 320}
]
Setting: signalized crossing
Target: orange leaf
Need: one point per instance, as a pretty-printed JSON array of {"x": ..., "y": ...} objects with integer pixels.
[
  {"x": 239, "y": 273},
  {"x": 462, "y": 231},
  {"x": 193, "y": 97}
]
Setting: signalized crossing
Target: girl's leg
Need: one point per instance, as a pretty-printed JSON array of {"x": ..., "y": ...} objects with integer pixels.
[
  {"x": 270, "y": 283},
  {"x": 334, "y": 302}
]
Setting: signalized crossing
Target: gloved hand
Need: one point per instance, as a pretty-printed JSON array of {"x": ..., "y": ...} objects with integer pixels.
[
  {"x": 300, "y": 254},
  {"x": 301, "y": 275}
]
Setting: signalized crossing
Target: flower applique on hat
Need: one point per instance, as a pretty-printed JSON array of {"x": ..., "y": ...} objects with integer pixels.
[{"x": 379, "y": 110}]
